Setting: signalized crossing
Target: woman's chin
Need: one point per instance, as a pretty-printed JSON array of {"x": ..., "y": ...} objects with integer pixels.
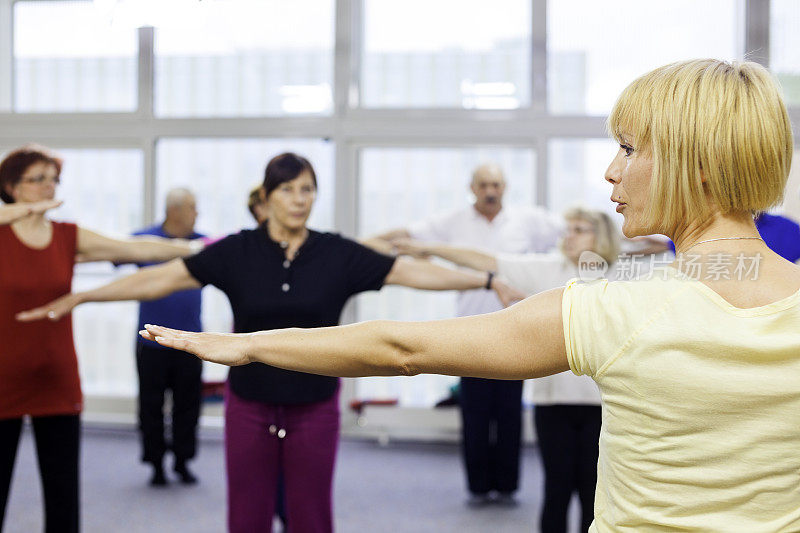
[{"x": 631, "y": 230}]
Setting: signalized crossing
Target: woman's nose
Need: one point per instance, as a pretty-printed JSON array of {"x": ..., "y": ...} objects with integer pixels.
[{"x": 614, "y": 170}]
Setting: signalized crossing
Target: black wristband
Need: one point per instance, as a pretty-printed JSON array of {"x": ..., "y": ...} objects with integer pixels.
[{"x": 488, "y": 285}]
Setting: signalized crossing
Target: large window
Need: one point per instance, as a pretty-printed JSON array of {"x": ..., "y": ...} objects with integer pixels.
[
  {"x": 575, "y": 174},
  {"x": 222, "y": 172},
  {"x": 384, "y": 97},
  {"x": 594, "y": 49},
  {"x": 71, "y": 57},
  {"x": 399, "y": 186},
  {"x": 785, "y": 47},
  {"x": 245, "y": 58},
  {"x": 103, "y": 190},
  {"x": 448, "y": 53}
]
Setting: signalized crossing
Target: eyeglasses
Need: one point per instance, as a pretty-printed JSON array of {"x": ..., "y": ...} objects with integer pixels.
[
  {"x": 579, "y": 230},
  {"x": 41, "y": 179}
]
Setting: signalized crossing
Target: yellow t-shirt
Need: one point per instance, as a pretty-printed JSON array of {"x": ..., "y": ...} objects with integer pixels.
[{"x": 701, "y": 405}]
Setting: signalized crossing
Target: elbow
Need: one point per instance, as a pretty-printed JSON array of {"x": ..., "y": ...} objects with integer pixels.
[
  {"x": 403, "y": 360},
  {"x": 406, "y": 364}
]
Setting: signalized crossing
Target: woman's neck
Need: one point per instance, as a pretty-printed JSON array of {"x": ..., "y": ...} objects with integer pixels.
[
  {"x": 294, "y": 237},
  {"x": 730, "y": 229},
  {"x": 31, "y": 223}
]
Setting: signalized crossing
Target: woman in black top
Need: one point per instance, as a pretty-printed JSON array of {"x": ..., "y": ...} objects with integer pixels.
[{"x": 281, "y": 275}]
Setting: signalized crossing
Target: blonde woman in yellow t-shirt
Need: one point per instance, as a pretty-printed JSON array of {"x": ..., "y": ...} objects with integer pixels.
[{"x": 699, "y": 369}]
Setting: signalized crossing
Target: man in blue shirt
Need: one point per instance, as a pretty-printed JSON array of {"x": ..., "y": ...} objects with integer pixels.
[{"x": 162, "y": 368}]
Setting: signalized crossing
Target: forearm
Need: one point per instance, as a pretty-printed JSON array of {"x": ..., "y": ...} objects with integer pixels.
[
  {"x": 10, "y": 213},
  {"x": 466, "y": 257},
  {"x": 364, "y": 349},
  {"x": 428, "y": 276},
  {"x": 379, "y": 245},
  {"x": 154, "y": 250},
  {"x": 146, "y": 284}
]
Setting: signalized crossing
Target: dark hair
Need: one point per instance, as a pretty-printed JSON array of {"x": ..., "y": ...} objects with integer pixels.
[
  {"x": 286, "y": 167},
  {"x": 18, "y": 161}
]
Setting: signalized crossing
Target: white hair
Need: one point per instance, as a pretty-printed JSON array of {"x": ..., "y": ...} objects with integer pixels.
[{"x": 178, "y": 196}]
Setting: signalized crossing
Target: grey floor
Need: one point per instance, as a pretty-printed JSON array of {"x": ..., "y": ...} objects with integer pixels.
[{"x": 402, "y": 487}]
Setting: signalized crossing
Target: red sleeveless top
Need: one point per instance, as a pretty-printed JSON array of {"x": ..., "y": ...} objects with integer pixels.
[{"x": 38, "y": 365}]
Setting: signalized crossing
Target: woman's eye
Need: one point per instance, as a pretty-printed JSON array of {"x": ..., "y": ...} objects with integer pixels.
[{"x": 628, "y": 149}]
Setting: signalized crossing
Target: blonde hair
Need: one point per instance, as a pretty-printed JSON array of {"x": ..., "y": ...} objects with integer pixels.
[
  {"x": 606, "y": 235},
  {"x": 712, "y": 128}
]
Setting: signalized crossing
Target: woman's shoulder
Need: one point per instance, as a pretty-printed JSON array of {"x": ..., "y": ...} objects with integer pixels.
[{"x": 65, "y": 230}]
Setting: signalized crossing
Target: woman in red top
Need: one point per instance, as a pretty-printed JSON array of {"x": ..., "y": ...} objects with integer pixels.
[{"x": 38, "y": 366}]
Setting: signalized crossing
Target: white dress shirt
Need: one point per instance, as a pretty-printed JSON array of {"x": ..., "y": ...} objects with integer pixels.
[{"x": 513, "y": 230}]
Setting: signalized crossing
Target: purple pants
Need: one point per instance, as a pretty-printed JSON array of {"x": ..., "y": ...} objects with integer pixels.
[{"x": 261, "y": 440}]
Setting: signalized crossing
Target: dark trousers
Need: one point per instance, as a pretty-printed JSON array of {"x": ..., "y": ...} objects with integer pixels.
[
  {"x": 58, "y": 451},
  {"x": 264, "y": 440},
  {"x": 491, "y": 415},
  {"x": 568, "y": 440},
  {"x": 161, "y": 369}
]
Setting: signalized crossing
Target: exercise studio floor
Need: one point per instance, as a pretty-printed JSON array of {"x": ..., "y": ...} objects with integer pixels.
[{"x": 402, "y": 487}]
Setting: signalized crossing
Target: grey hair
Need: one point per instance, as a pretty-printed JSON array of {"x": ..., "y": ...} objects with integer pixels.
[
  {"x": 492, "y": 168},
  {"x": 177, "y": 196}
]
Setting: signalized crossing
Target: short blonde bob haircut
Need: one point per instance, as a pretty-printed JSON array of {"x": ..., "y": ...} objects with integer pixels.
[
  {"x": 606, "y": 235},
  {"x": 718, "y": 134}
]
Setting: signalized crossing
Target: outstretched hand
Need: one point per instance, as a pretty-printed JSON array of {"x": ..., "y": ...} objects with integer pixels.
[
  {"x": 12, "y": 212},
  {"x": 416, "y": 249},
  {"x": 223, "y": 348},
  {"x": 508, "y": 295},
  {"x": 52, "y": 311}
]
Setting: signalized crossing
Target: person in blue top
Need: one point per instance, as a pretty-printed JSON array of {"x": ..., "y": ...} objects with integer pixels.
[
  {"x": 781, "y": 234},
  {"x": 162, "y": 368}
]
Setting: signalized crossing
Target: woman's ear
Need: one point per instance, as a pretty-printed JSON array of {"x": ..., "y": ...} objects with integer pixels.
[{"x": 7, "y": 188}]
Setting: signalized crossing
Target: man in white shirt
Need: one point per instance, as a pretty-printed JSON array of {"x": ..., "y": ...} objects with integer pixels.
[{"x": 491, "y": 409}]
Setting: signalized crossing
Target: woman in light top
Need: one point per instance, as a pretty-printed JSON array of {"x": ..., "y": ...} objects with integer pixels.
[
  {"x": 567, "y": 415},
  {"x": 699, "y": 371}
]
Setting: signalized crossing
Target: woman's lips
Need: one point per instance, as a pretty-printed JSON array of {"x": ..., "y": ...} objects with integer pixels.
[{"x": 620, "y": 207}]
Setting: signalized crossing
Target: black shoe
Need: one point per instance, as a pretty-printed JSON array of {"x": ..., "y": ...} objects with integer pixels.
[
  {"x": 185, "y": 475},
  {"x": 477, "y": 500},
  {"x": 506, "y": 499},
  {"x": 158, "y": 479}
]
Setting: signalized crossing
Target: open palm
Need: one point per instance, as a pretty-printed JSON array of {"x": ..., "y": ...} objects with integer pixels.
[{"x": 224, "y": 348}]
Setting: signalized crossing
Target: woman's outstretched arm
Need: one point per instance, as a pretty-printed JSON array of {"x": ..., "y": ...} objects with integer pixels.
[
  {"x": 468, "y": 257},
  {"x": 523, "y": 341},
  {"x": 425, "y": 275},
  {"x": 148, "y": 283},
  {"x": 10, "y": 213},
  {"x": 93, "y": 246}
]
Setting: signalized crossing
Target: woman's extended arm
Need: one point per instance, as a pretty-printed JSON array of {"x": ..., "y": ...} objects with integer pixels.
[
  {"x": 10, "y": 213},
  {"x": 468, "y": 257},
  {"x": 523, "y": 341},
  {"x": 93, "y": 246},
  {"x": 148, "y": 283},
  {"x": 425, "y": 275}
]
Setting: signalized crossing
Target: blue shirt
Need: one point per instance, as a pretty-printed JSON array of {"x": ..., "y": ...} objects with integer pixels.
[
  {"x": 179, "y": 310},
  {"x": 781, "y": 235}
]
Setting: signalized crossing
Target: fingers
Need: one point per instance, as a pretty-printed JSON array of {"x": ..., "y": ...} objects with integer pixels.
[
  {"x": 171, "y": 338},
  {"x": 40, "y": 313},
  {"x": 161, "y": 330},
  {"x": 41, "y": 207}
]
